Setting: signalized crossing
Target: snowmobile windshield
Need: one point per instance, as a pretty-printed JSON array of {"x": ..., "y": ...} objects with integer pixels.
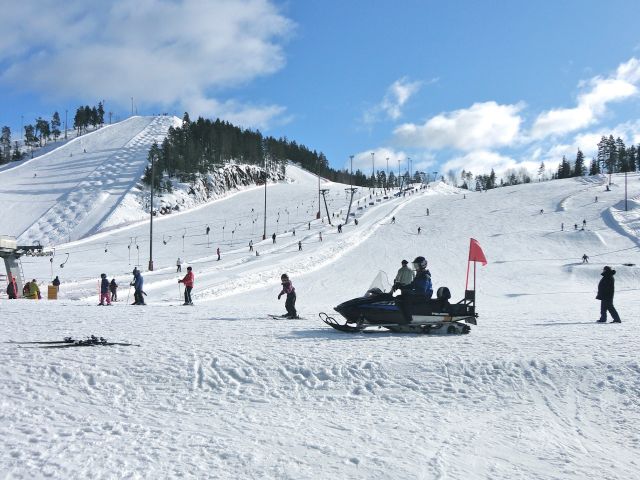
[{"x": 380, "y": 282}]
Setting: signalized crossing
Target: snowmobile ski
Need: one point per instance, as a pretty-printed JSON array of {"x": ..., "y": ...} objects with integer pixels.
[{"x": 66, "y": 340}]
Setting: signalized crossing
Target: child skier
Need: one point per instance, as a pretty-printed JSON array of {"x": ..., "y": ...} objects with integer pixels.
[
  {"x": 104, "y": 290},
  {"x": 290, "y": 291},
  {"x": 113, "y": 288},
  {"x": 188, "y": 286}
]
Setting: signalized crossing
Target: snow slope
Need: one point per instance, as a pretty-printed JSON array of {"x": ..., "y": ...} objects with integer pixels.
[
  {"x": 536, "y": 391},
  {"x": 68, "y": 192}
]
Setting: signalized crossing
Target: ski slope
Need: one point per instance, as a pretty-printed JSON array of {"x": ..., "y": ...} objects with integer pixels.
[
  {"x": 537, "y": 390},
  {"x": 69, "y": 192}
]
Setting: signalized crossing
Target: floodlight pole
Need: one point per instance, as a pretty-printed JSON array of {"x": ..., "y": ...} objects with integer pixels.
[
  {"x": 151, "y": 218},
  {"x": 264, "y": 232}
]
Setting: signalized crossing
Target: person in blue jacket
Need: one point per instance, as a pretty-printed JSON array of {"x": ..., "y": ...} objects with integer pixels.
[
  {"x": 104, "y": 290},
  {"x": 138, "y": 283}
]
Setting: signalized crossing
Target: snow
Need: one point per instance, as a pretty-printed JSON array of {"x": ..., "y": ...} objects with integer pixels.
[{"x": 537, "y": 390}]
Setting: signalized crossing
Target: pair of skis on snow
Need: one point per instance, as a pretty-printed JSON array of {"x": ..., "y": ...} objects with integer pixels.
[
  {"x": 284, "y": 317},
  {"x": 69, "y": 342}
]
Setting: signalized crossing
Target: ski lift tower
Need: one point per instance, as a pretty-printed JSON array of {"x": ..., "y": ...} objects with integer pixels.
[{"x": 10, "y": 252}]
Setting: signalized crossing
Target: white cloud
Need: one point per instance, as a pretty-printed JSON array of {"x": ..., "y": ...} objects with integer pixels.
[
  {"x": 159, "y": 52},
  {"x": 481, "y": 126},
  {"x": 591, "y": 104},
  {"x": 395, "y": 98}
]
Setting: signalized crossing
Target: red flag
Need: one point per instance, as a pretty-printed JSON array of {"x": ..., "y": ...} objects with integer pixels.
[{"x": 475, "y": 252}]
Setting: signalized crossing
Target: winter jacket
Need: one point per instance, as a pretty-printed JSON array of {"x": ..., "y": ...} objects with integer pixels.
[
  {"x": 11, "y": 290},
  {"x": 34, "y": 291},
  {"x": 421, "y": 285},
  {"x": 188, "y": 279},
  {"x": 287, "y": 288},
  {"x": 113, "y": 286},
  {"x": 138, "y": 281},
  {"x": 56, "y": 282},
  {"x": 606, "y": 287},
  {"x": 404, "y": 276},
  {"x": 104, "y": 285}
]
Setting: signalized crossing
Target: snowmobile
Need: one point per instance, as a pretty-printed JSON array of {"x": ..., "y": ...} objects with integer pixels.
[{"x": 405, "y": 313}]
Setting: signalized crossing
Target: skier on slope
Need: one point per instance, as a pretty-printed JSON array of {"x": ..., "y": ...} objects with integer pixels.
[
  {"x": 178, "y": 265},
  {"x": 188, "y": 286},
  {"x": 290, "y": 291},
  {"x": 606, "y": 289},
  {"x": 12, "y": 289},
  {"x": 104, "y": 290},
  {"x": 113, "y": 288},
  {"x": 137, "y": 284}
]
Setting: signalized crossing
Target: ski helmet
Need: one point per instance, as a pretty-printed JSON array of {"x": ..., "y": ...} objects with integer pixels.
[
  {"x": 284, "y": 276},
  {"x": 419, "y": 263}
]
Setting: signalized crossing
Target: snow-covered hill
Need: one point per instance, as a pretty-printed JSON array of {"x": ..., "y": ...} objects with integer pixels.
[
  {"x": 69, "y": 192},
  {"x": 220, "y": 390}
]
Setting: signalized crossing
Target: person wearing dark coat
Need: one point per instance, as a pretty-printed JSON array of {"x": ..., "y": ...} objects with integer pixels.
[
  {"x": 104, "y": 290},
  {"x": 606, "y": 289},
  {"x": 56, "y": 283},
  {"x": 12, "y": 289}
]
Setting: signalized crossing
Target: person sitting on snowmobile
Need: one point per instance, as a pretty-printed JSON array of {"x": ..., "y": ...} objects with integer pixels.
[
  {"x": 421, "y": 285},
  {"x": 403, "y": 278},
  {"x": 290, "y": 291}
]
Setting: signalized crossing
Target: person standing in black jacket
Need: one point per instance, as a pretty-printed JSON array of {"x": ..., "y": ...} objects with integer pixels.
[{"x": 606, "y": 289}]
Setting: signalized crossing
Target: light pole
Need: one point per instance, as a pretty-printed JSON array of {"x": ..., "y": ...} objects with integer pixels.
[
  {"x": 151, "y": 218},
  {"x": 132, "y": 106},
  {"x": 351, "y": 175},
  {"x": 410, "y": 165},
  {"x": 373, "y": 168},
  {"x": 387, "y": 182},
  {"x": 398, "y": 173},
  {"x": 65, "y": 124},
  {"x": 264, "y": 232},
  {"x": 22, "y": 128}
]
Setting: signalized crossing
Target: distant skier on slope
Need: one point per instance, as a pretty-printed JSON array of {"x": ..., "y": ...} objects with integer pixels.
[
  {"x": 178, "y": 265},
  {"x": 12, "y": 289},
  {"x": 290, "y": 291},
  {"x": 606, "y": 289},
  {"x": 585, "y": 258},
  {"x": 188, "y": 281}
]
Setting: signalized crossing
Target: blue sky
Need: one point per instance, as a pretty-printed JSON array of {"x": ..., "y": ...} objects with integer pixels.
[{"x": 451, "y": 85}]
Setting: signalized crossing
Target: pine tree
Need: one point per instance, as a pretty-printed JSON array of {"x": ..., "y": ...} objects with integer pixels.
[
  {"x": 578, "y": 169},
  {"x": 5, "y": 145},
  {"x": 594, "y": 168},
  {"x": 100, "y": 113},
  {"x": 541, "y": 170},
  {"x": 55, "y": 126}
]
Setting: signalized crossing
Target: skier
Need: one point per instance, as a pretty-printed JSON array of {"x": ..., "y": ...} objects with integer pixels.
[
  {"x": 403, "y": 277},
  {"x": 585, "y": 258},
  {"x": 575, "y": 226},
  {"x": 606, "y": 289},
  {"x": 541, "y": 211},
  {"x": 562, "y": 227},
  {"x": 251, "y": 245},
  {"x": 309, "y": 225},
  {"x": 290, "y": 291},
  {"x": 104, "y": 290},
  {"x": 56, "y": 283},
  {"x": 355, "y": 220},
  {"x": 12, "y": 289},
  {"x": 299, "y": 245},
  {"x": 294, "y": 232},
  {"x": 113, "y": 288},
  {"x": 218, "y": 252},
  {"x": 208, "y": 229},
  {"x": 393, "y": 219},
  {"x": 419, "y": 230},
  {"x": 188, "y": 286},
  {"x": 178, "y": 265},
  {"x": 320, "y": 235},
  {"x": 584, "y": 224},
  {"x": 273, "y": 238},
  {"x": 596, "y": 199},
  {"x": 427, "y": 212},
  {"x": 137, "y": 284},
  {"x": 339, "y": 228}
]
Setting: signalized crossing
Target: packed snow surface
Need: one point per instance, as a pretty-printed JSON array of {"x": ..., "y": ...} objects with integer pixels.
[{"x": 537, "y": 390}]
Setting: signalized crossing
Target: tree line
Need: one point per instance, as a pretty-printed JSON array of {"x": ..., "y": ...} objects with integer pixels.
[
  {"x": 200, "y": 146},
  {"x": 40, "y": 132}
]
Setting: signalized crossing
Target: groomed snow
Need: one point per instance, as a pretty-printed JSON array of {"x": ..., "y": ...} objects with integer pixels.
[{"x": 536, "y": 391}]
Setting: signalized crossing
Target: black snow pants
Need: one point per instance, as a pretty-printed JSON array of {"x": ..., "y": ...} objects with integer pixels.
[
  {"x": 290, "y": 304},
  {"x": 187, "y": 295},
  {"x": 607, "y": 306}
]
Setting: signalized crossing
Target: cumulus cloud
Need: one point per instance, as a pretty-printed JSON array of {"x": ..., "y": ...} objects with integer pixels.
[
  {"x": 591, "y": 103},
  {"x": 395, "y": 98},
  {"x": 481, "y": 126},
  {"x": 176, "y": 53}
]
